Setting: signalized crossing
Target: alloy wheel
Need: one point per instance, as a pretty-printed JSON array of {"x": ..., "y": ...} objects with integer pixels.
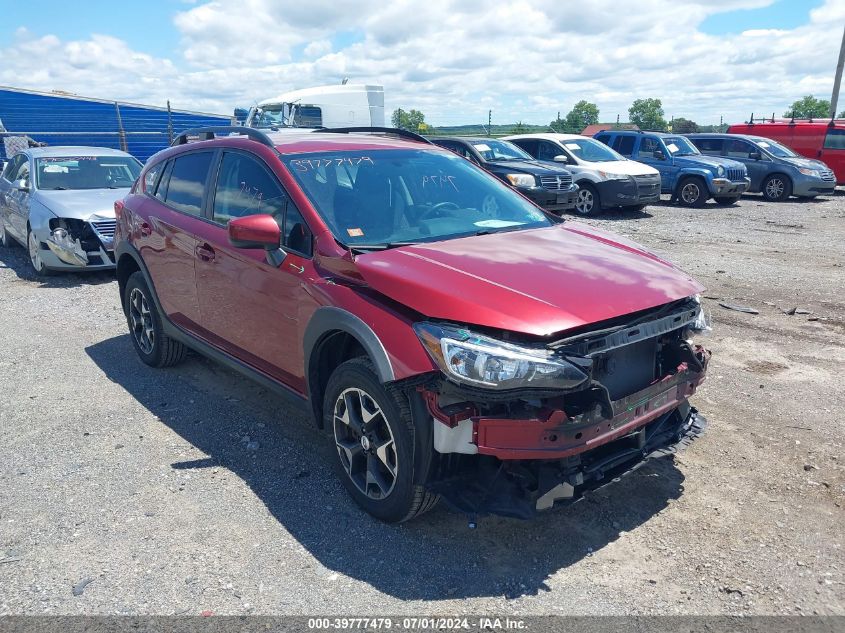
[
  {"x": 34, "y": 253},
  {"x": 775, "y": 188},
  {"x": 141, "y": 320},
  {"x": 690, "y": 192},
  {"x": 365, "y": 443},
  {"x": 586, "y": 201}
]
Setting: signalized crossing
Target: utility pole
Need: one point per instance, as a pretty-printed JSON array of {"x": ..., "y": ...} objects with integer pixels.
[
  {"x": 721, "y": 122},
  {"x": 838, "y": 80}
]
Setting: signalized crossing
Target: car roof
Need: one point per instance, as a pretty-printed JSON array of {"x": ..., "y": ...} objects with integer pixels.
[
  {"x": 73, "y": 150},
  {"x": 549, "y": 136},
  {"x": 465, "y": 139},
  {"x": 305, "y": 142}
]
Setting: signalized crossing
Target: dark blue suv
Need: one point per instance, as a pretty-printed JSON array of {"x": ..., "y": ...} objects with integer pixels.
[{"x": 690, "y": 177}]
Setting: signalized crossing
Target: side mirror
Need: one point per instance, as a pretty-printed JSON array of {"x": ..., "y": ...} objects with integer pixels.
[
  {"x": 21, "y": 185},
  {"x": 561, "y": 158},
  {"x": 755, "y": 156},
  {"x": 659, "y": 155},
  {"x": 255, "y": 231}
]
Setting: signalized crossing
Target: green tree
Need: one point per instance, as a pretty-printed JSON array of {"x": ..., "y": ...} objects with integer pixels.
[
  {"x": 647, "y": 114},
  {"x": 520, "y": 128},
  {"x": 411, "y": 120},
  {"x": 684, "y": 126},
  {"x": 580, "y": 116},
  {"x": 809, "y": 108}
]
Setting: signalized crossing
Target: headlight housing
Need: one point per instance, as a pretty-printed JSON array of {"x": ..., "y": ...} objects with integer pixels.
[
  {"x": 809, "y": 172},
  {"x": 481, "y": 361},
  {"x": 521, "y": 180},
  {"x": 720, "y": 171},
  {"x": 606, "y": 175}
]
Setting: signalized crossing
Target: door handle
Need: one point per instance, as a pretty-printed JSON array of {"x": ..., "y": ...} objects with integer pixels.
[{"x": 205, "y": 252}]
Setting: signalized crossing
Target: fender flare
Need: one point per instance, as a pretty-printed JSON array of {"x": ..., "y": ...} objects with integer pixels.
[
  {"x": 699, "y": 172},
  {"x": 327, "y": 319},
  {"x": 125, "y": 248}
]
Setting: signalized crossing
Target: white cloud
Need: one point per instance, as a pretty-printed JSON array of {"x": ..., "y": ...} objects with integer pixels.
[{"x": 454, "y": 60}]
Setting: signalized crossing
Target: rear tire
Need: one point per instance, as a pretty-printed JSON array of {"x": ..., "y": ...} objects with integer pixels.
[
  {"x": 727, "y": 201},
  {"x": 777, "y": 188},
  {"x": 154, "y": 347},
  {"x": 373, "y": 432},
  {"x": 588, "y": 201},
  {"x": 692, "y": 192},
  {"x": 6, "y": 240}
]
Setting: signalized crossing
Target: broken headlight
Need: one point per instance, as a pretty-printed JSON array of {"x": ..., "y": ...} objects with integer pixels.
[{"x": 482, "y": 361}]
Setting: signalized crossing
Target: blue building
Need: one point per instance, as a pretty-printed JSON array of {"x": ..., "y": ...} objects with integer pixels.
[{"x": 65, "y": 119}]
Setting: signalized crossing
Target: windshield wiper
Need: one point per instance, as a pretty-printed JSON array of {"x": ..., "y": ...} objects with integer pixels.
[
  {"x": 381, "y": 246},
  {"x": 58, "y": 188}
]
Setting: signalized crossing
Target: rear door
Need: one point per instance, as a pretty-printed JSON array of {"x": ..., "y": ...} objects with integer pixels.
[
  {"x": 648, "y": 152},
  {"x": 168, "y": 237},
  {"x": 741, "y": 150},
  {"x": 833, "y": 152},
  {"x": 250, "y": 308}
]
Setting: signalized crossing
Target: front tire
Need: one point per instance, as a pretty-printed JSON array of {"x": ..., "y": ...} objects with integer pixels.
[
  {"x": 692, "y": 192},
  {"x": 588, "y": 202},
  {"x": 777, "y": 188},
  {"x": 153, "y": 346},
  {"x": 35, "y": 261},
  {"x": 373, "y": 433}
]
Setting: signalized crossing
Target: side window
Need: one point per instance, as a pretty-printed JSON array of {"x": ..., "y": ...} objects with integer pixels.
[
  {"x": 151, "y": 177},
  {"x": 548, "y": 151},
  {"x": 835, "y": 139},
  {"x": 13, "y": 166},
  {"x": 528, "y": 145},
  {"x": 23, "y": 170},
  {"x": 245, "y": 187},
  {"x": 649, "y": 145},
  {"x": 739, "y": 149},
  {"x": 295, "y": 233},
  {"x": 710, "y": 146},
  {"x": 161, "y": 188},
  {"x": 187, "y": 182},
  {"x": 603, "y": 138},
  {"x": 624, "y": 145}
]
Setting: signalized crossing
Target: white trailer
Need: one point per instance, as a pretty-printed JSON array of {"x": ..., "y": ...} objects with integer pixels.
[{"x": 345, "y": 105}]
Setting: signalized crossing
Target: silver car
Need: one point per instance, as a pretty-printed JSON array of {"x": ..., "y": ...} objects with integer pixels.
[{"x": 59, "y": 202}]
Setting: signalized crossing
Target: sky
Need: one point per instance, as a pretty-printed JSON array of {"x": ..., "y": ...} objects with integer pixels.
[{"x": 526, "y": 60}]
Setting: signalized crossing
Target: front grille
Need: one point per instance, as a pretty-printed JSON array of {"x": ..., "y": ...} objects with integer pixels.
[
  {"x": 828, "y": 175},
  {"x": 736, "y": 174},
  {"x": 104, "y": 229},
  {"x": 556, "y": 183},
  {"x": 647, "y": 184}
]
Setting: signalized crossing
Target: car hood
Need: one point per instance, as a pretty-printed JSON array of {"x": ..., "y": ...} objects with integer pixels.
[
  {"x": 701, "y": 160},
  {"x": 629, "y": 167},
  {"x": 808, "y": 163},
  {"x": 539, "y": 281},
  {"x": 81, "y": 204},
  {"x": 527, "y": 167}
]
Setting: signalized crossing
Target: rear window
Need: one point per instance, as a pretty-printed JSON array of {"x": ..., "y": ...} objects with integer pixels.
[
  {"x": 187, "y": 182},
  {"x": 711, "y": 146},
  {"x": 624, "y": 145},
  {"x": 835, "y": 139}
]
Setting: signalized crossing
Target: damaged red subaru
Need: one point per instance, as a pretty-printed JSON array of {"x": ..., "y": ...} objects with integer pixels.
[{"x": 451, "y": 339}]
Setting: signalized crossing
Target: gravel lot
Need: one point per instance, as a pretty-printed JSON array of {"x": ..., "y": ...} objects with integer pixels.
[{"x": 148, "y": 483}]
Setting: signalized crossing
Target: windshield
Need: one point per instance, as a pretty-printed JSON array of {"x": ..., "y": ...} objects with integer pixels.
[
  {"x": 383, "y": 198},
  {"x": 287, "y": 115},
  {"x": 86, "y": 172},
  {"x": 499, "y": 150},
  {"x": 587, "y": 149},
  {"x": 680, "y": 146},
  {"x": 776, "y": 149}
]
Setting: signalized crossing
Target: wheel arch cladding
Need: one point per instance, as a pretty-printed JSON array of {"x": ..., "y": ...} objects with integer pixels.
[{"x": 332, "y": 336}]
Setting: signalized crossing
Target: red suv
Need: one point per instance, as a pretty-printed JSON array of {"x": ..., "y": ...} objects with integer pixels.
[{"x": 450, "y": 337}]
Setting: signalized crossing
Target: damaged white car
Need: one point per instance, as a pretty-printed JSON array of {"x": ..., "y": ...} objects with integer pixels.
[{"x": 59, "y": 203}]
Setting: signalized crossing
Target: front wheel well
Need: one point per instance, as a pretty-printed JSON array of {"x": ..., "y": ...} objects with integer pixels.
[
  {"x": 126, "y": 266},
  {"x": 333, "y": 349}
]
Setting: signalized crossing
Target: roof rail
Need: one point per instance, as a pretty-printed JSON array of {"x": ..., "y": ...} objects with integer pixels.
[
  {"x": 208, "y": 134},
  {"x": 394, "y": 131}
]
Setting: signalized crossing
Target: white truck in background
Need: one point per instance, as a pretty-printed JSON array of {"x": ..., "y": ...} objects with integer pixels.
[{"x": 335, "y": 106}]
